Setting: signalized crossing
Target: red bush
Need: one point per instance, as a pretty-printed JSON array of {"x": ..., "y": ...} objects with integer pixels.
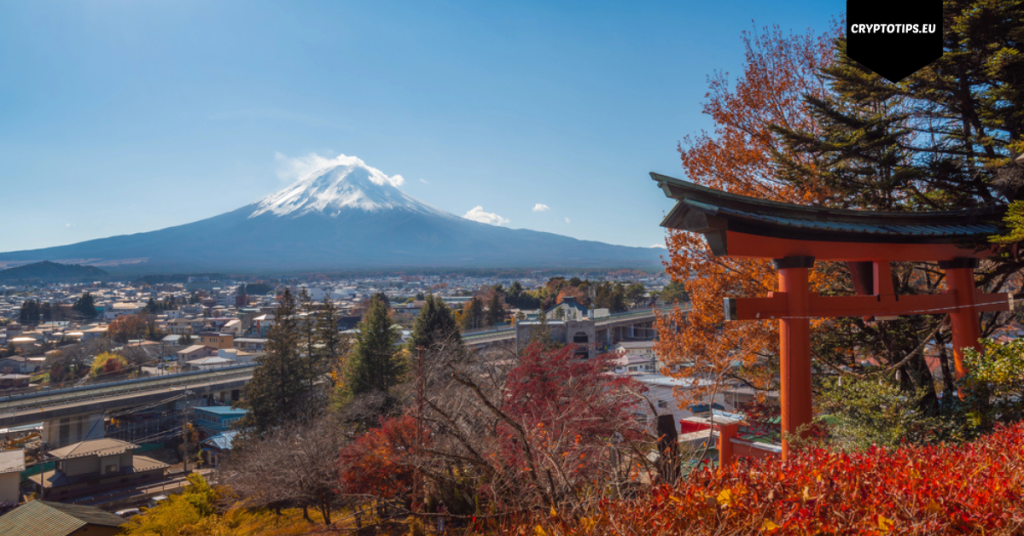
[
  {"x": 381, "y": 462},
  {"x": 973, "y": 488}
]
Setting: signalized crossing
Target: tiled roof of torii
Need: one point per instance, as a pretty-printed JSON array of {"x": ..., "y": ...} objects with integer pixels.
[{"x": 704, "y": 210}]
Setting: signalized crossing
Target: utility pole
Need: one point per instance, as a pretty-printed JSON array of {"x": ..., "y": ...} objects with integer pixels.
[{"x": 184, "y": 430}]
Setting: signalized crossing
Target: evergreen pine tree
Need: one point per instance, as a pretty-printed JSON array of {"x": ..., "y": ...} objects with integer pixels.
[
  {"x": 277, "y": 388},
  {"x": 435, "y": 328},
  {"x": 85, "y": 307},
  {"x": 496, "y": 309},
  {"x": 332, "y": 344},
  {"x": 375, "y": 364}
]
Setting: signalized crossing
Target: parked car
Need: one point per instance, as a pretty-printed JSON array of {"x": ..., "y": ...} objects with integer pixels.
[
  {"x": 157, "y": 500},
  {"x": 128, "y": 512}
]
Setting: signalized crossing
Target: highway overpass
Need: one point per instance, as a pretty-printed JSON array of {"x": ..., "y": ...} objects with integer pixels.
[{"x": 77, "y": 413}]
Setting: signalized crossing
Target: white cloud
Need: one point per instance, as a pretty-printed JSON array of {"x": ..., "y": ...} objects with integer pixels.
[
  {"x": 662, "y": 246},
  {"x": 540, "y": 207},
  {"x": 478, "y": 214},
  {"x": 567, "y": 220},
  {"x": 69, "y": 225},
  {"x": 303, "y": 167},
  {"x": 424, "y": 182}
]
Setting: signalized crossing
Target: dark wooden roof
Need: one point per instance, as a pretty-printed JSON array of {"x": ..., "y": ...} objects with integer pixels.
[{"x": 712, "y": 212}]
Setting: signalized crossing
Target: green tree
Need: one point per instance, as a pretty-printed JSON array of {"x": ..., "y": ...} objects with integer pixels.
[
  {"x": 674, "y": 292},
  {"x": 375, "y": 363},
  {"x": 496, "y": 309},
  {"x": 333, "y": 346},
  {"x": 636, "y": 294},
  {"x": 85, "y": 307},
  {"x": 29, "y": 312},
  {"x": 277, "y": 387},
  {"x": 860, "y": 412},
  {"x": 435, "y": 328}
]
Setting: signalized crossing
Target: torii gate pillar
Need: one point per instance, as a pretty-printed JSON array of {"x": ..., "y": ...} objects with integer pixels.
[
  {"x": 964, "y": 319},
  {"x": 795, "y": 344}
]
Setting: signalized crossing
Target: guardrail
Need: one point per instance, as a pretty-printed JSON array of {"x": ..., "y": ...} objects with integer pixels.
[
  {"x": 598, "y": 321},
  {"x": 63, "y": 396}
]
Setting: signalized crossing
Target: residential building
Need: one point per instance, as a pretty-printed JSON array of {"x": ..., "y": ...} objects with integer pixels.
[
  {"x": 217, "y": 447},
  {"x": 12, "y": 463},
  {"x": 217, "y": 340},
  {"x": 97, "y": 464},
  {"x": 45, "y": 518},
  {"x": 195, "y": 351},
  {"x": 213, "y": 419},
  {"x": 251, "y": 344}
]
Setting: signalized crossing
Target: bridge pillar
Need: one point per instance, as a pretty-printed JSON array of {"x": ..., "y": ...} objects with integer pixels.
[{"x": 67, "y": 430}]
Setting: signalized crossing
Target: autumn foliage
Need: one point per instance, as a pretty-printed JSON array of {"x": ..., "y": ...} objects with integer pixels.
[
  {"x": 970, "y": 488},
  {"x": 380, "y": 463},
  {"x": 779, "y": 70}
]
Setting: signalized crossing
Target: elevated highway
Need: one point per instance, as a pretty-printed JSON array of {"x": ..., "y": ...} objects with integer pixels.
[
  {"x": 76, "y": 413},
  {"x": 614, "y": 327}
]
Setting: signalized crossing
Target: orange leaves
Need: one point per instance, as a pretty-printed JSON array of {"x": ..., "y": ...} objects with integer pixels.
[{"x": 974, "y": 488}]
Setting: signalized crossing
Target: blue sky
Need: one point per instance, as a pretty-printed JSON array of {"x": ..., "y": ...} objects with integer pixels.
[{"x": 122, "y": 116}]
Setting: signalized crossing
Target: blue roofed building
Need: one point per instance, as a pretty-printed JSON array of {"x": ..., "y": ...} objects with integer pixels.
[
  {"x": 217, "y": 447},
  {"x": 214, "y": 419}
]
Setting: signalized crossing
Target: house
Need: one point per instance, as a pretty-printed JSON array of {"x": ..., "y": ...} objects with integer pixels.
[
  {"x": 94, "y": 333},
  {"x": 217, "y": 340},
  {"x": 213, "y": 419},
  {"x": 45, "y": 518},
  {"x": 14, "y": 381},
  {"x": 210, "y": 362},
  {"x": 180, "y": 326},
  {"x": 567, "y": 309},
  {"x": 232, "y": 327},
  {"x": 91, "y": 466},
  {"x": 12, "y": 463},
  {"x": 408, "y": 311},
  {"x": 195, "y": 351},
  {"x": 661, "y": 393},
  {"x": 251, "y": 344},
  {"x": 122, "y": 309},
  {"x": 217, "y": 447},
  {"x": 14, "y": 364},
  {"x": 635, "y": 356}
]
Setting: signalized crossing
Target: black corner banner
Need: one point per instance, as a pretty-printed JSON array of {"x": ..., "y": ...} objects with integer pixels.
[{"x": 894, "y": 38}]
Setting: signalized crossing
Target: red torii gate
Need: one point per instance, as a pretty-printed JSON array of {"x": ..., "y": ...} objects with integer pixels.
[{"x": 795, "y": 236}]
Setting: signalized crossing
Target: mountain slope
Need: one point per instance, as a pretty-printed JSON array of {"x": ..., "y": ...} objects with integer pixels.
[
  {"x": 342, "y": 217},
  {"x": 51, "y": 271}
]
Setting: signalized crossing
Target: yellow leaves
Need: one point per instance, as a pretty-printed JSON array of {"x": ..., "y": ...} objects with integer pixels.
[
  {"x": 768, "y": 525},
  {"x": 725, "y": 498},
  {"x": 885, "y": 523},
  {"x": 539, "y": 531},
  {"x": 933, "y": 507},
  {"x": 554, "y": 513}
]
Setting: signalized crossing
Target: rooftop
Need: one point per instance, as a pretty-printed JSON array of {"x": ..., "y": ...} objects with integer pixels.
[
  {"x": 712, "y": 212},
  {"x": 44, "y": 518},
  {"x": 94, "y": 447}
]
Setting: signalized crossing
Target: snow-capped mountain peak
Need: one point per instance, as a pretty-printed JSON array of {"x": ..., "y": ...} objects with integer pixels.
[{"x": 346, "y": 183}]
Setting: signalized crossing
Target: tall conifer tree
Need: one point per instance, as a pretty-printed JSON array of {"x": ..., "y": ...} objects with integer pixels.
[{"x": 277, "y": 388}]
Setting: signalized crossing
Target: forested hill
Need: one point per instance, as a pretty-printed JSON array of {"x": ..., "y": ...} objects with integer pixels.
[{"x": 51, "y": 271}]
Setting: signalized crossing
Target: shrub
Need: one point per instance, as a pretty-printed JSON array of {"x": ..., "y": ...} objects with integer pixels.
[{"x": 969, "y": 488}]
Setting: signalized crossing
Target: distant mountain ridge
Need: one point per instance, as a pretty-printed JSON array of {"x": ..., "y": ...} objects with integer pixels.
[
  {"x": 345, "y": 216},
  {"x": 51, "y": 271}
]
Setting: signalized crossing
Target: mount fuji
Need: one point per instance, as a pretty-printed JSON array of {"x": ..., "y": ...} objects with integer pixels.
[{"x": 347, "y": 215}]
